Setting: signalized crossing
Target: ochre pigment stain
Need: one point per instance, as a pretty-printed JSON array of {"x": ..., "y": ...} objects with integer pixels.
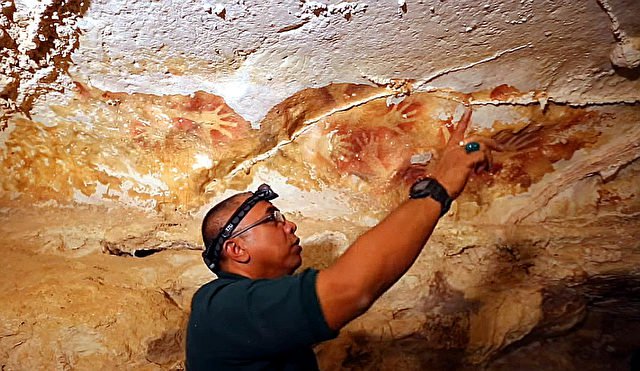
[
  {"x": 373, "y": 149},
  {"x": 311, "y": 105},
  {"x": 157, "y": 118},
  {"x": 504, "y": 92},
  {"x": 137, "y": 146},
  {"x": 370, "y": 146},
  {"x": 163, "y": 150},
  {"x": 368, "y": 153},
  {"x": 555, "y": 135}
]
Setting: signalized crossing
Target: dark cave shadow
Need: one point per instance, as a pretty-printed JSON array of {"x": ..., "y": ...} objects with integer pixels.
[
  {"x": 368, "y": 352},
  {"x": 631, "y": 74},
  {"x": 607, "y": 337},
  {"x": 600, "y": 342}
]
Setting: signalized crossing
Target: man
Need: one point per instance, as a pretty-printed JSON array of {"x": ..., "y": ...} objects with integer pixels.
[{"x": 258, "y": 316}]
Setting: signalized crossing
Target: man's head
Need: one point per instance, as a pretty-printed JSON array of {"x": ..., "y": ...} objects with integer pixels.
[{"x": 259, "y": 244}]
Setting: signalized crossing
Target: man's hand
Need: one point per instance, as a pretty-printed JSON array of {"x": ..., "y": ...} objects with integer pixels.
[{"x": 455, "y": 164}]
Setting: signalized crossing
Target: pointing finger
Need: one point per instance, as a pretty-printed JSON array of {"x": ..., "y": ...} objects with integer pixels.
[{"x": 458, "y": 134}]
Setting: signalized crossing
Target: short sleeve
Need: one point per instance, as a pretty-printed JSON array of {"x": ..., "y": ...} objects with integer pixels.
[{"x": 267, "y": 317}]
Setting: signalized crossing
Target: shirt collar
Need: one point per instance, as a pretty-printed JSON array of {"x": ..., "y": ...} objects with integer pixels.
[{"x": 230, "y": 276}]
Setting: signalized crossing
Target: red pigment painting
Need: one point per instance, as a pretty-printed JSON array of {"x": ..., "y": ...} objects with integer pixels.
[
  {"x": 403, "y": 115},
  {"x": 209, "y": 113},
  {"x": 377, "y": 150},
  {"x": 204, "y": 115}
]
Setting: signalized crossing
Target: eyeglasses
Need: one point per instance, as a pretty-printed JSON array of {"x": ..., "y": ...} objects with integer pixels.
[{"x": 274, "y": 215}]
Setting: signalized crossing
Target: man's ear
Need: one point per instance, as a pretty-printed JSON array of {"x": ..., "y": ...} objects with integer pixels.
[{"x": 235, "y": 250}]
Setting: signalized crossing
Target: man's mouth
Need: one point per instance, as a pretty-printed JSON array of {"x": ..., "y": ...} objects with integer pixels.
[{"x": 296, "y": 248}]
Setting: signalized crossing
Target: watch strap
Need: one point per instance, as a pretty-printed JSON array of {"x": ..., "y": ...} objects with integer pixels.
[{"x": 430, "y": 187}]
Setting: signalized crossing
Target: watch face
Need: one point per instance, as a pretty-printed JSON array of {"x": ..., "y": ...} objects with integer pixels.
[
  {"x": 420, "y": 187},
  {"x": 431, "y": 188}
]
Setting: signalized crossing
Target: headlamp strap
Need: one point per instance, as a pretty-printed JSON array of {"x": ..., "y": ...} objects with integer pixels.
[{"x": 264, "y": 193}]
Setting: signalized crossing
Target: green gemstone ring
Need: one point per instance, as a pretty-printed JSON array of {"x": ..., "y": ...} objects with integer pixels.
[{"x": 472, "y": 147}]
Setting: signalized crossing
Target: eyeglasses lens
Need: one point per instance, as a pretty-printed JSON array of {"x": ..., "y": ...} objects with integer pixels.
[{"x": 278, "y": 216}]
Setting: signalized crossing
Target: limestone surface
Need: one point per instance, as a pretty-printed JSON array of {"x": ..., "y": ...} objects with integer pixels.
[{"x": 122, "y": 123}]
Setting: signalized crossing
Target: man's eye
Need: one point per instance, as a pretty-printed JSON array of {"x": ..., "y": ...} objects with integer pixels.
[{"x": 278, "y": 218}]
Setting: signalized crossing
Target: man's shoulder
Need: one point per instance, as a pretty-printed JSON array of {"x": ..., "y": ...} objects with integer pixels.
[
  {"x": 226, "y": 286},
  {"x": 213, "y": 287}
]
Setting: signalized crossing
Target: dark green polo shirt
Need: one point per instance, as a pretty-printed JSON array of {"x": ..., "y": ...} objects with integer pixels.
[{"x": 237, "y": 323}]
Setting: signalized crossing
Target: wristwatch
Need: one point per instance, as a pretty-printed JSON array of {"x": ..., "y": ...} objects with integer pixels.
[{"x": 429, "y": 187}]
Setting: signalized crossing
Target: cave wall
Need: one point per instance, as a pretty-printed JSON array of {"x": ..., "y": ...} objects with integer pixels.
[{"x": 123, "y": 122}]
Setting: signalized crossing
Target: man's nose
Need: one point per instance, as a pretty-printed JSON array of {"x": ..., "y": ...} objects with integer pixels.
[{"x": 291, "y": 226}]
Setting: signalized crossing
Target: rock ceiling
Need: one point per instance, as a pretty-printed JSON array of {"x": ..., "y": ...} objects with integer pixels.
[{"x": 122, "y": 122}]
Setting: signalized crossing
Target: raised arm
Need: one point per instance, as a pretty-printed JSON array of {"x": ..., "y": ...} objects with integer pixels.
[{"x": 379, "y": 257}]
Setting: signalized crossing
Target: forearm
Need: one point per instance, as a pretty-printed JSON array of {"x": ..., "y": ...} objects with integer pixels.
[{"x": 377, "y": 259}]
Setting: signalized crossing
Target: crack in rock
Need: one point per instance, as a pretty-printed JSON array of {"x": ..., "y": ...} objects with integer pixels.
[
  {"x": 532, "y": 99},
  {"x": 396, "y": 87},
  {"x": 146, "y": 244},
  {"x": 611, "y": 154},
  {"x": 472, "y": 64},
  {"x": 292, "y": 27},
  {"x": 141, "y": 250},
  {"x": 626, "y": 52},
  {"x": 618, "y": 33},
  {"x": 306, "y": 126}
]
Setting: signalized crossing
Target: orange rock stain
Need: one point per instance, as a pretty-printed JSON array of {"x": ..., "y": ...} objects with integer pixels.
[
  {"x": 167, "y": 149},
  {"x": 139, "y": 146}
]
